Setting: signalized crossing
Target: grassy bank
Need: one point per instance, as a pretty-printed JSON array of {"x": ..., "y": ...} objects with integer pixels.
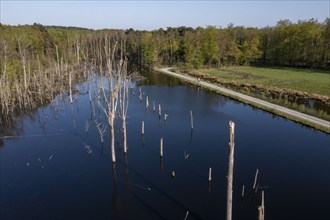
[
  {"x": 304, "y": 80},
  {"x": 292, "y": 88},
  {"x": 274, "y": 111}
]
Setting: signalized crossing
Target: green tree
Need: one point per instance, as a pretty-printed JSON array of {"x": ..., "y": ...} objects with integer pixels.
[
  {"x": 209, "y": 45},
  {"x": 325, "y": 47},
  {"x": 265, "y": 37},
  {"x": 249, "y": 47},
  {"x": 148, "y": 48},
  {"x": 229, "y": 48}
]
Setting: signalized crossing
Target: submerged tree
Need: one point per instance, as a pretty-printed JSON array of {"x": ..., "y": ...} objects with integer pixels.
[
  {"x": 116, "y": 73},
  {"x": 110, "y": 97},
  {"x": 124, "y": 102}
]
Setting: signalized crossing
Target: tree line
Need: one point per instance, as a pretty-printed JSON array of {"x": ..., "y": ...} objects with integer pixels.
[{"x": 302, "y": 44}]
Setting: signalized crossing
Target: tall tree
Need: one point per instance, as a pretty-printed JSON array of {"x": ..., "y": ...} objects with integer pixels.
[
  {"x": 148, "y": 47},
  {"x": 209, "y": 45}
]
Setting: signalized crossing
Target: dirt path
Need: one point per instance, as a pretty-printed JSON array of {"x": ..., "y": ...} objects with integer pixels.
[{"x": 291, "y": 112}]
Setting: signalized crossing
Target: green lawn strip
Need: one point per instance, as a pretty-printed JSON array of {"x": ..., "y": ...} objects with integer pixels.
[{"x": 310, "y": 81}]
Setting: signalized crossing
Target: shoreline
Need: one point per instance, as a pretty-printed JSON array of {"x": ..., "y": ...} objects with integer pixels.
[{"x": 290, "y": 114}]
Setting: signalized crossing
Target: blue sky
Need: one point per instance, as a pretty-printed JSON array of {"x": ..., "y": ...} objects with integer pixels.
[{"x": 150, "y": 15}]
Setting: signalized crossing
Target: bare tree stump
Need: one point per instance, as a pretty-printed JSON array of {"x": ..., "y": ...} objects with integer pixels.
[
  {"x": 261, "y": 209},
  {"x": 255, "y": 179},
  {"x": 161, "y": 147},
  {"x": 186, "y": 217},
  {"x": 230, "y": 170},
  {"x": 142, "y": 128},
  {"x": 191, "y": 120},
  {"x": 147, "y": 102},
  {"x": 173, "y": 174},
  {"x": 243, "y": 189}
]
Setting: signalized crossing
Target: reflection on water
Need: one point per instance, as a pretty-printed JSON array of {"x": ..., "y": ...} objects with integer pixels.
[
  {"x": 159, "y": 80},
  {"x": 82, "y": 183}
]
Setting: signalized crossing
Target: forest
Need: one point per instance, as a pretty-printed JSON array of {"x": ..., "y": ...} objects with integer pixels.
[
  {"x": 303, "y": 44},
  {"x": 32, "y": 57}
]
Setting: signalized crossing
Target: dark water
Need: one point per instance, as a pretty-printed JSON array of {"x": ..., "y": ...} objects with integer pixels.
[{"x": 58, "y": 170}]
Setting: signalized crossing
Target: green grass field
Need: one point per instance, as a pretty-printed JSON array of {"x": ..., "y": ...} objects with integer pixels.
[{"x": 310, "y": 81}]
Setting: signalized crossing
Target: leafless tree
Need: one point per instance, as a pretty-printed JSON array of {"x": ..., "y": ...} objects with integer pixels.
[
  {"x": 111, "y": 96},
  {"x": 70, "y": 85},
  {"x": 102, "y": 129},
  {"x": 124, "y": 100}
]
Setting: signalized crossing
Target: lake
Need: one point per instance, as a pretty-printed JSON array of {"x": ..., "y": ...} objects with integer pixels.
[{"x": 57, "y": 168}]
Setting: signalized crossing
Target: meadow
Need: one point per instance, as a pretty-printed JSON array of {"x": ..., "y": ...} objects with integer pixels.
[{"x": 304, "y": 80}]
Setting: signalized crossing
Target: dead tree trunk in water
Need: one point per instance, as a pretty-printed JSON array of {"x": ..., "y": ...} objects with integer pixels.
[
  {"x": 118, "y": 91},
  {"x": 147, "y": 102},
  {"x": 191, "y": 120},
  {"x": 112, "y": 100},
  {"x": 261, "y": 209},
  {"x": 161, "y": 148},
  {"x": 210, "y": 174},
  {"x": 70, "y": 85},
  {"x": 255, "y": 180},
  {"x": 142, "y": 128},
  {"x": 122, "y": 69},
  {"x": 230, "y": 170}
]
